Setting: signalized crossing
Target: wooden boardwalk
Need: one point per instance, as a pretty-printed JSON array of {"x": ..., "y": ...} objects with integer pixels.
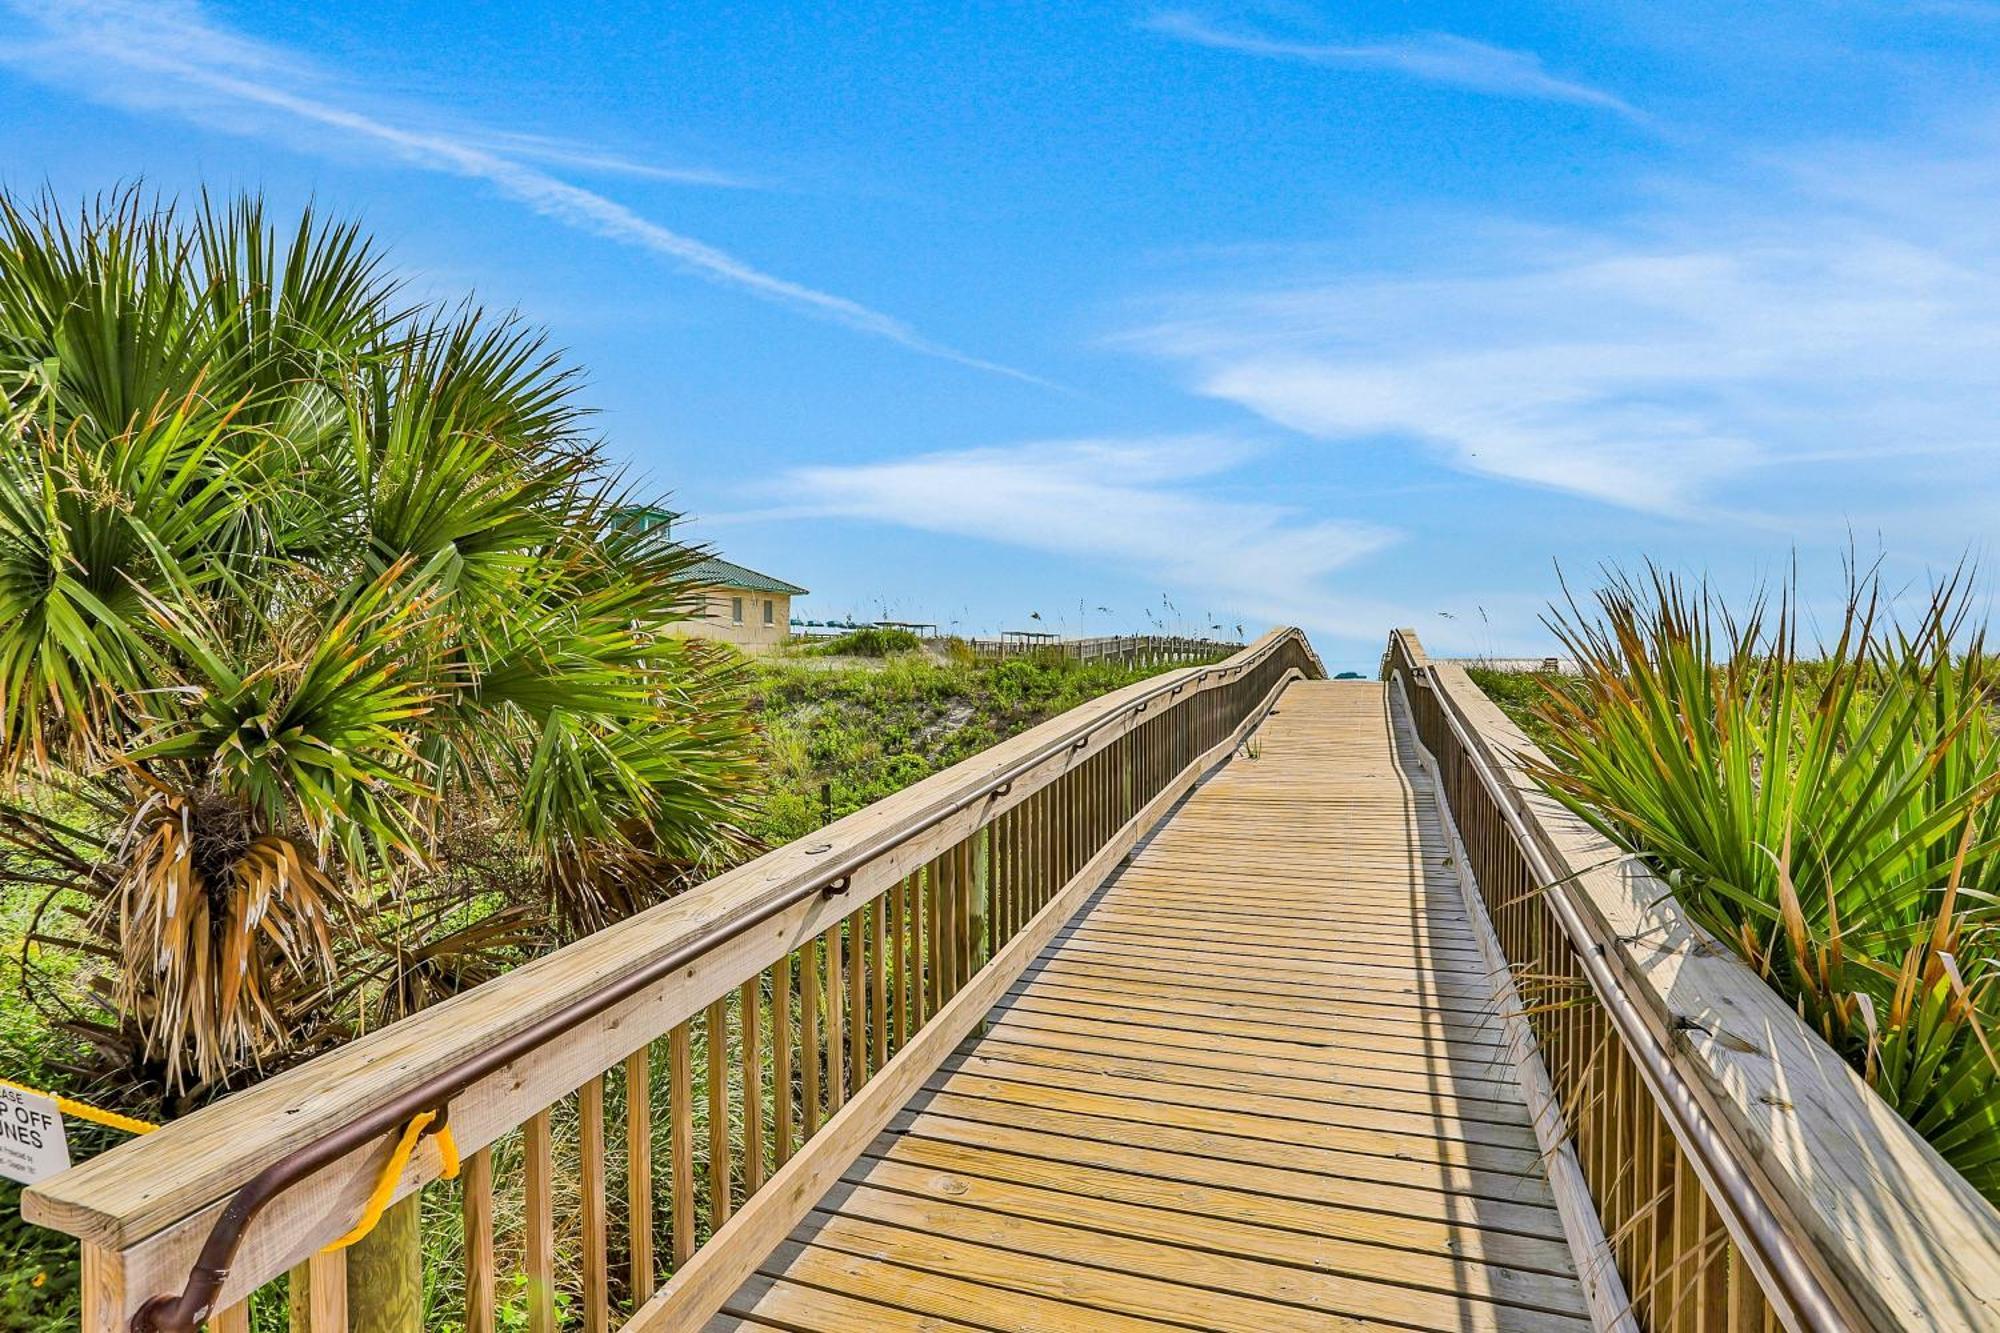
[{"x": 1257, "y": 1085}]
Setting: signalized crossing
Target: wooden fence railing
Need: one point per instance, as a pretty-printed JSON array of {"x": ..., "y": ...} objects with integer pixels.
[
  {"x": 1744, "y": 1176},
  {"x": 742, "y": 1041},
  {"x": 1127, "y": 649}
]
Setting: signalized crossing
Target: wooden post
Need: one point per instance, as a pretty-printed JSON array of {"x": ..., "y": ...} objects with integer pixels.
[
  {"x": 103, "y": 1290},
  {"x": 538, "y": 1222},
  {"x": 318, "y": 1296},
  {"x": 477, "y": 1209},
  {"x": 385, "y": 1274},
  {"x": 596, "y": 1259},
  {"x": 639, "y": 1168}
]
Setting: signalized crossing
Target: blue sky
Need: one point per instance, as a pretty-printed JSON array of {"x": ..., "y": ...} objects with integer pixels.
[{"x": 1337, "y": 314}]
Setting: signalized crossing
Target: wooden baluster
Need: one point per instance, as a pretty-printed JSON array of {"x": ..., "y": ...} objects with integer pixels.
[
  {"x": 878, "y": 975},
  {"x": 476, "y": 1210},
  {"x": 809, "y": 1031},
  {"x": 933, "y": 950},
  {"x": 781, "y": 1057},
  {"x": 899, "y": 927},
  {"x": 680, "y": 1106},
  {"x": 639, "y": 1169},
  {"x": 318, "y": 1297},
  {"x": 717, "y": 1068},
  {"x": 596, "y": 1232},
  {"x": 539, "y": 1224},
  {"x": 857, "y": 999},
  {"x": 1007, "y": 923},
  {"x": 236, "y": 1319},
  {"x": 836, "y": 1023},
  {"x": 969, "y": 923},
  {"x": 947, "y": 930},
  {"x": 751, "y": 1063}
]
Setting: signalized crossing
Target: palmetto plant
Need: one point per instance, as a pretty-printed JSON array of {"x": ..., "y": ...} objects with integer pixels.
[
  {"x": 298, "y": 587},
  {"x": 1834, "y": 814}
]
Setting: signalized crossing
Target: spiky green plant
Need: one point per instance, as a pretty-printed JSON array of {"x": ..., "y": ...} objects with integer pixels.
[
  {"x": 1829, "y": 811},
  {"x": 297, "y": 583}
]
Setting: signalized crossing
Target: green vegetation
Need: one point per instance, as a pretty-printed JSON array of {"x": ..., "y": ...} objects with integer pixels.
[
  {"x": 838, "y": 739},
  {"x": 331, "y": 683},
  {"x": 1521, "y": 694},
  {"x": 869, "y": 642},
  {"x": 1829, "y": 814}
]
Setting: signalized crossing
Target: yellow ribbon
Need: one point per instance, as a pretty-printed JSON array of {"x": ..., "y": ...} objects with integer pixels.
[
  {"x": 85, "y": 1111},
  {"x": 392, "y": 1171}
]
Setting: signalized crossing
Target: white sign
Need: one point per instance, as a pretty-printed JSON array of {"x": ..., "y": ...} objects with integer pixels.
[{"x": 32, "y": 1146}]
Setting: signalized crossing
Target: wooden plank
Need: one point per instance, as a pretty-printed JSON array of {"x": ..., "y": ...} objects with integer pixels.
[
  {"x": 596, "y": 1255},
  {"x": 1281, "y": 1267},
  {"x": 680, "y": 1141},
  {"x": 1442, "y": 1242},
  {"x": 476, "y": 1212},
  {"x": 1196, "y": 1103},
  {"x": 836, "y": 1061},
  {"x": 878, "y": 976},
  {"x": 104, "y": 1297},
  {"x": 1330, "y": 1084},
  {"x": 1009, "y": 1267},
  {"x": 811, "y": 1035},
  {"x": 639, "y": 1170},
  {"x": 716, "y": 1068},
  {"x": 539, "y": 1223},
  {"x": 1413, "y": 1190},
  {"x": 1480, "y": 1072},
  {"x": 857, "y": 998},
  {"x": 781, "y": 1060},
  {"x": 750, "y": 1073},
  {"x": 938, "y": 1295},
  {"x": 787, "y": 1305},
  {"x": 1402, "y": 1041}
]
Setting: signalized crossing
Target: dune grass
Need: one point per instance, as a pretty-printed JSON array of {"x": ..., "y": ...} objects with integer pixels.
[{"x": 1826, "y": 808}]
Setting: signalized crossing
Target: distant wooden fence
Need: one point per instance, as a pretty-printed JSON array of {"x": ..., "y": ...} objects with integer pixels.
[
  {"x": 1125, "y": 649},
  {"x": 1141, "y": 650}
]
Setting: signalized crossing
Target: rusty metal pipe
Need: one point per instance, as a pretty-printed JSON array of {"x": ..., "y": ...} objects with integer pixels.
[{"x": 185, "y": 1312}]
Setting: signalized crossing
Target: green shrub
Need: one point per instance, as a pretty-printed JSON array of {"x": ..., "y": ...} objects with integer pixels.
[
  {"x": 1829, "y": 815},
  {"x": 870, "y": 642}
]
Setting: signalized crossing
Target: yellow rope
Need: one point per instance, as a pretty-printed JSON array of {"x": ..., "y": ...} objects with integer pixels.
[
  {"x": 392, "y": 1171},
  {"x": 85, "y": 1111}
]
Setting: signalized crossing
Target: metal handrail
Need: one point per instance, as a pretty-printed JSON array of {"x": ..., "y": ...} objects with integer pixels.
[
  {"x": 185, "y": 1311},
  {"x": 1810, "y": 1305}
]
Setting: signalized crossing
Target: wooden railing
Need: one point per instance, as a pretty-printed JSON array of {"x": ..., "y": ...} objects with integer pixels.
[
  {"x": 744, "y": 1040},
  {"x": 1744, "y": 1176}
]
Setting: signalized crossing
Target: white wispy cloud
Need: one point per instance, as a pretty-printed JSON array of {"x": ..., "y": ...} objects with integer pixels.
[
  {"x": 1143, "y": 504},
  {"x": 1434, "y": 57},
  {"x": 170, "y": 57},
  {"x": 592, "y": 159},
  {"x": 1819, "y": 336}
]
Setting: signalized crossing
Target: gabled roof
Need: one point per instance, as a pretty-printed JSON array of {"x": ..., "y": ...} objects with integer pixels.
[{"x": 718, "y": 573}]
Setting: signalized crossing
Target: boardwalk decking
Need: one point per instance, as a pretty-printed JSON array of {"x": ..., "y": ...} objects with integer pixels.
[{"x": 1256, "y": 1085}]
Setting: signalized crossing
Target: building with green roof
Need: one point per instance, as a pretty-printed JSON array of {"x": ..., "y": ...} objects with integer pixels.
[{"x": 739, "y": 605}]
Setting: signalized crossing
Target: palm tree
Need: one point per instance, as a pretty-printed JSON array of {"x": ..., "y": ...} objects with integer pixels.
[{"x": 305, "y": 593}]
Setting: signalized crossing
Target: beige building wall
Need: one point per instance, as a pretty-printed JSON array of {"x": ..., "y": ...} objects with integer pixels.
[{"x": 742, "y": 617}]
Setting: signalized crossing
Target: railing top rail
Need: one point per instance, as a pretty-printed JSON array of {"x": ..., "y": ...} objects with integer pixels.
[
  {"x": 1906, "y": 1241},
  {"x": 142, "y": 1187}
]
